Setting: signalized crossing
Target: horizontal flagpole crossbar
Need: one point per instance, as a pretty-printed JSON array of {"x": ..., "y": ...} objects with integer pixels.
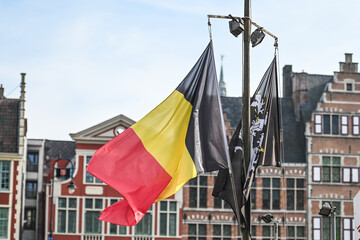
[{"x": 238, "y": 18}]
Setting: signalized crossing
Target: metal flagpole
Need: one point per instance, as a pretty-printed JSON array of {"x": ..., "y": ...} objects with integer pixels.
[{"x": 246, "y": 100}]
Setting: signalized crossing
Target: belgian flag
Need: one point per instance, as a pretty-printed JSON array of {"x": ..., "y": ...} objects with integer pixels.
[{"x": 181, "y": 138}]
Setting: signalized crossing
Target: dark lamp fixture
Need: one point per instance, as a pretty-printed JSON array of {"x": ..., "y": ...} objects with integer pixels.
[
  {"x": 327, "y": 209},
  {"x": 256, "y": 37},
  {"x": 71, "y": 185},
  {"x": 267, "y": 218},
  {"x": 236, "y": 27}
]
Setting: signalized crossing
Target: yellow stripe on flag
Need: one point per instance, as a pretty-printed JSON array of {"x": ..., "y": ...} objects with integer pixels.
[{"x": 163, "y": 132}]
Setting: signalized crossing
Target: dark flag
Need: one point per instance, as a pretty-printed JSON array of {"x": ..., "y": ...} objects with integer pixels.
[{"x": 265, "y": 148}]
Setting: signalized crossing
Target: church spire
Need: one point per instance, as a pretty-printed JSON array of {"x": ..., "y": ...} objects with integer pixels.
[{"x": 222, "y": 85}]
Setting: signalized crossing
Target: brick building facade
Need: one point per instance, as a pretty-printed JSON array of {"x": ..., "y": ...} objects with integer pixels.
[
  {"x": 12, "y": 162},
  {"x": 333, "y": 145},
  {"x": 75, "y": 213},
  {"x": 321, "y": 146}
]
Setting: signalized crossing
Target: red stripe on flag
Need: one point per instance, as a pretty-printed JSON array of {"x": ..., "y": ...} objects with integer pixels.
[{"x": 129, "y": 168}]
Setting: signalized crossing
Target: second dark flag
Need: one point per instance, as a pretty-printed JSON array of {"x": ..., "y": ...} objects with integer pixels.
[{"x": 265, "y": 148}]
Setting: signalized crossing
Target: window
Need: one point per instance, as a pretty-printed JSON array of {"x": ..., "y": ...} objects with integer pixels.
[
  {"x": 327, "y": 124},
  {"x": 253, "y": 198},
  {"x": 198, "y": 192},
  {"x": 331, "y": 169},
  {"x": 295, "y": 194},
  {"x": 348, "y": 228},
  {"x": 221, "y": 232},
  {"x": 344, "y": 125},
  {"x": 326, "y": 228},
  {"x": 356, "y": 120},
  {"x": 318, "y": 123},
  {"x": 117, "y": 229},
  {"x": 90, "y": 178},
  {"x": 219, "y": 203},
  {"x": 317, "y": 228},
  {"x": 266, "y": 232},
  {"x": 350, "y": 175},
  {"x": 316, "y": 174},
  {"x": 29, "y": 218},
  {"x": 276, "y": 193},
  {"x": 4, "y": 175},
  {"x": 4, "y": 222},
  {"x": 253, "y": 230},
  {"x": 31, "y": 189},
  {"x": 295, "y": 232},
  {"x": 326, "y": 231},
  {"x": 93, "y": 208},
  {"x": 168, "y": 218},
  {"x": 197, "y": 231},
  {"x": 32, "y": 162},
  {"x": 144, "y": 227},
  {"x": 348, "y": 87},
  {"x": 335, "y": 124},
  {"x": 66, "y": 215},
  {"x": 271, "y": 193}
]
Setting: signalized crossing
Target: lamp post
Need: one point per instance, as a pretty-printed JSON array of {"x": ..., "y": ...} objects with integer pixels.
[
  {"x": 326, "y": 210},
  {"x": 239, "y": 25},
  {"x": 71, "y": 186},
  {"x": 270, "y": 218}
]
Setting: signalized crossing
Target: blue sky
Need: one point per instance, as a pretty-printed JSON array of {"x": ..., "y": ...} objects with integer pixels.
[{"x": 90, "y": 60}]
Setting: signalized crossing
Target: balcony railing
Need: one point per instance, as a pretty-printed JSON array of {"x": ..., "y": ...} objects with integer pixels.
[
  {"x": 142, "y": 237},
  {"x": 92, "y": 237}
]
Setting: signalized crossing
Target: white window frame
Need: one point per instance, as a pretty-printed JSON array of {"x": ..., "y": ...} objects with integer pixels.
[
  {"x": 296, "y": 189},
  {"x": 316, "y": 174},
  {"x": 7, "y": 221},
  {"x": 296, "y": 232},
  {"x": 355, "y": 175},
  {"x": 347, "y": 175},
  {"x": 198, "y": 187},
  {"x": 85, "y": 173},
  {"x": 356, "y": 125},
  {"x": 151, "y": 211},
  {"x": 117, "y": 226},
  {"x": 168, "y": 212},
  {"x": 317, "y": 123},
  {"x": 67, "y": 209},
  {"x": 9, "y": 175},
  {"x": 93, "y": 209},
  {"x": 272, "y": 189},
  {"x": 316, "y": 228},
  {"x": 222, "y": 236},
  {"x": 197, "y": 236},
  {"x": 347, "y": 229},
  {"x": 350, "y": 175},
  {"x": 344, "y": 124}
]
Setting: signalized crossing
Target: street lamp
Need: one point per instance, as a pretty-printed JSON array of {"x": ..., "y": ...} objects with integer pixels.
[
  {"x": 268, "y": 218},
  {"x": 326, "y": 210},
  {"x": 71, "y": 187},
  {"x": 257, "y": 36}
]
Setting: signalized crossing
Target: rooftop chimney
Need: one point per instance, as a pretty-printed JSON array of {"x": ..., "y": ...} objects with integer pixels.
[
  {"x": 348, "y": 57},
  {"x": 22, "y": 96},
  {"x": 2, "y": 92},
  {"x": 348, "y": 66}
]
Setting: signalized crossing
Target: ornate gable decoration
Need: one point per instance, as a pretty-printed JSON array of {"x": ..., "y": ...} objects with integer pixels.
[{"x": 103, "y": 132}]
